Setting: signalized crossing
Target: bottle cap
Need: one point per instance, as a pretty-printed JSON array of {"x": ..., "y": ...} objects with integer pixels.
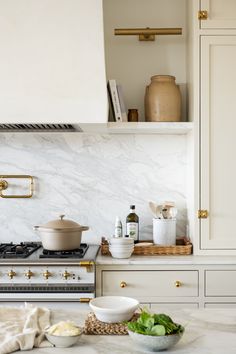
[{"x": 132, "y": 206}]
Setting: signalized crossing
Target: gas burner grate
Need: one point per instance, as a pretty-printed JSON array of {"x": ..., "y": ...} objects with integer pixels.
[
  {"x": 19, "y": 250},
  {"x": 77, "y": 253}
]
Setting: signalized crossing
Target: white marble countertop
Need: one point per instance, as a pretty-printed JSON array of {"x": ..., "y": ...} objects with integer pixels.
[
  {"x": 165, "y": 260},
  {"x": 207, "y": 331}
]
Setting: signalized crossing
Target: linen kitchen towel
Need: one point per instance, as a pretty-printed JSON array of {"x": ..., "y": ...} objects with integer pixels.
[{"x": 22, "y": 328}]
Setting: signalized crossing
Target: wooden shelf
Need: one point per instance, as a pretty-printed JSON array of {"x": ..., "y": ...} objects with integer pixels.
[{"x": 172, "y": 128}]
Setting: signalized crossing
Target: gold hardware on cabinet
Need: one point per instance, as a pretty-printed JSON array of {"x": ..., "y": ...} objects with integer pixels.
[
  {"x": 4, "y": 185},
  {"x": 47, "y": 274},
  {"x": 123, "y": 284},
  {"x": 66, "y": 275},
  {"x": 84, "y": 299},
  {"x": 29, "y": 274},
  {"x": 203, "y": 214},
  {"x": 146, "y": 34},
  {"x": 202, "y": 15},
  {"x": 11, "y": 274},
  {"x": 178, "y": 284}
]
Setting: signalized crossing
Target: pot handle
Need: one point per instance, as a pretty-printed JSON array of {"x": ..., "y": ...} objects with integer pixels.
[
  {"x": 36, "y": 228},
  {"x": 84, "y": 228}
]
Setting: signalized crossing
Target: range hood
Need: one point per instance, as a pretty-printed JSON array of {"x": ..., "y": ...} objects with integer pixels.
[{"x": 52, "y": 65}]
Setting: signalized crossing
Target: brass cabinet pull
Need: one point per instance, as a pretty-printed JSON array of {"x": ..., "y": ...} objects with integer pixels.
[
  {"x": 178, "y": 283},
  {"x": 203, "y": 214},
  {"x": 29, "y": 274},
  {"x": 11, "y": 274},
  {"x": 123, "y": 284},
  {"x": 202, "y": 15}
]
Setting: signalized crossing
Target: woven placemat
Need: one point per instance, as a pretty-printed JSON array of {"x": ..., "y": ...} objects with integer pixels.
[{"x": 94, "y": 326}]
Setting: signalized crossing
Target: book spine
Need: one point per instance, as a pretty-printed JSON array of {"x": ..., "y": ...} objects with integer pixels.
[
  {"x": 115, "y": 100},
  {"x": 122, "y": 103}
]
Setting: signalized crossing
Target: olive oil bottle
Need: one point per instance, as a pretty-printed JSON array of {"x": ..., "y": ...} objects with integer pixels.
[{"x": 132, "y": 224}]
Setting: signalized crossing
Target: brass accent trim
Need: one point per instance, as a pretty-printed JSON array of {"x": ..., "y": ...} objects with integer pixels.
[
  {"x": 84, "y": 299},
  {"x": 178, "y": 283},
  {"x": 66, "y": 275},
  {"x": 202, "y": 15},
  {"x": 123, "y": 284},
  {"x": 203, "y": 214},
  {"x": 86, "y": 263},
  {"x": 29, "y": 274},
  {"x": 11, "y": 274},
  {"x": 4, "y": 185},
  {"x": 147, "y": 34},
  {"x": 47, "y": 274}
]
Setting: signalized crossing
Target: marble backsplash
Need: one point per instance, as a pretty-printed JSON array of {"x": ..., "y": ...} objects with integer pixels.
[{"x": 91, "y": 179}]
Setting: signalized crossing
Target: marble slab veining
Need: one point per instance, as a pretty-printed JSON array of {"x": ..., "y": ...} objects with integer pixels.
[{"x": 91, "y": 179}]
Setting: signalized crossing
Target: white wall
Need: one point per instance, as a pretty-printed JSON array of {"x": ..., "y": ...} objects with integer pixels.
[
  {"x": 91, "y": 179},
  {"x": 132, "y": 62}
]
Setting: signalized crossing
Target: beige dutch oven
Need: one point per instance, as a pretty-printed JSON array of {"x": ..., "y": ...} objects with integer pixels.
[{"x": 61, "y": 234}]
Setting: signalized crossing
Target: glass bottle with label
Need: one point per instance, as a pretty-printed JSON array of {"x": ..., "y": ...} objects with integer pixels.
[{"x": 132, "y": 224}]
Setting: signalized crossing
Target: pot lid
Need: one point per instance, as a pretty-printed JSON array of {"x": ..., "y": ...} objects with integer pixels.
[{"x": 61, "y": 224}]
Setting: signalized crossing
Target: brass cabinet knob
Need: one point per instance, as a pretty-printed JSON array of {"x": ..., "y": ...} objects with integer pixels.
[
  {"x": 29, "y": 274},
  {"x": 11, "y": 274},
  {"x": 178, "y": 284},
  {"x": 66, "y": 275},
  {"x": 123, "y": 284},
  {"x": 47, "y": 274}
]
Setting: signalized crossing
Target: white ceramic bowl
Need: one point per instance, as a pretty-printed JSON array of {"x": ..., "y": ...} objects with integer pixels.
[
  {"x": 155, "y": 343},
  {"x": 121, "y": 254},
  {"x": 113, "y": 309},
  {"x": 62, "y": 341},
  {"x": 121, "y": 248},
  {"x": 121, "y": 241}
]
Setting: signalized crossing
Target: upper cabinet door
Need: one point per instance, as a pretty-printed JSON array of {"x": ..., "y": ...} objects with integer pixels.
[
  {"x": 218, "y": 142},
  {"x": 52, "y": 67},
  {"x": 221, "y": 14}
]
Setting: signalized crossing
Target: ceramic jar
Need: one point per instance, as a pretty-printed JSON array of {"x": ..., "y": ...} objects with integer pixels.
[{"x": 162, "y": 100}]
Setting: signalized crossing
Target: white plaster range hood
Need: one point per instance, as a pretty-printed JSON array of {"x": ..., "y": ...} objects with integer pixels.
[{"x": 52, "y": 66}]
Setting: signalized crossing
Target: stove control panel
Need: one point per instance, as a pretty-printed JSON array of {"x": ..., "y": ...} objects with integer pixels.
[{"x": 43, "y": 274}]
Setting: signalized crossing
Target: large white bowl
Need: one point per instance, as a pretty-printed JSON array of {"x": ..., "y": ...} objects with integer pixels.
[
  {"x": 121, "y": 248},
  {"x": 121, "y": 254},
  {"x": 113, "y": 309}
]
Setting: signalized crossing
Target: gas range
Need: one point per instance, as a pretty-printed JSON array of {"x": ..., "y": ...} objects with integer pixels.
[{"x": 30, "y": 273}]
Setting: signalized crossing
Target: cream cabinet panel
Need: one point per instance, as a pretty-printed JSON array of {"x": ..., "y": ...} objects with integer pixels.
[
  {"x": 173, "y": 306},
  {"x": 150, "y": 283},
  {"x": 218, "y": 142},
  {"x": 220, "y": 283},
  {"x": 221, "y": 14},
  {"x": 52, "y": 67},
  {"x": 219, "y": 305}
]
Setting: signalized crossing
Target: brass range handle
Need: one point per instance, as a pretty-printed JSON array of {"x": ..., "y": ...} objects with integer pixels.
[
  {"x": 123, "y": 284},
  {"x": 178, "y": 284},
  {"x": 29, "y": 274},
  {"x": 66, "y": 275},
  {"x": 11, "y": 274},
  {"x": 47, "y": 274}
]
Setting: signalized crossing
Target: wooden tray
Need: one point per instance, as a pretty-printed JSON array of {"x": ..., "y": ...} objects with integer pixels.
[{"x": 183, "y": 247}]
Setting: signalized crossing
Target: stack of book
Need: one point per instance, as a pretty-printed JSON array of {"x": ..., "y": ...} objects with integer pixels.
[{"x": 117, "y": 110}]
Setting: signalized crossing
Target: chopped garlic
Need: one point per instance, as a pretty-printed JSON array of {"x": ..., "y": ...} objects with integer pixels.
[{"x": 64, "y": 328}]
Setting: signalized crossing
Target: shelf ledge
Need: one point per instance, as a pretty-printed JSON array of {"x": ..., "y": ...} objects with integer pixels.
[{"x": 172, "y": 128}]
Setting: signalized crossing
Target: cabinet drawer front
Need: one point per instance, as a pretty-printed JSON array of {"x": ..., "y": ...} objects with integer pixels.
[
  {"x": 150, "y": 283},
  {"x": 220, "y": 282}
]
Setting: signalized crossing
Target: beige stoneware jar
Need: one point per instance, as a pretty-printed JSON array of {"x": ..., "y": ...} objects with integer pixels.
[{"x": 162, "y": 100}]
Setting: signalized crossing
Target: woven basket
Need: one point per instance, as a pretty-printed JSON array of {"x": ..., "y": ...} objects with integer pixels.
[{"x": 183, "y": 247}]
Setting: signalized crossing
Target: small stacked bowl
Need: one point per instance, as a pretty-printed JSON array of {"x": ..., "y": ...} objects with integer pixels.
[{"x": 121, "y": 247}]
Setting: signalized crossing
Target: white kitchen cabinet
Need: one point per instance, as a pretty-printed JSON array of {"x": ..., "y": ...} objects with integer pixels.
[
  {"x": 220, "y": 283},
  {"x": 218, "y": 144},
  {"x": 221, "y": 14},
  {"x": 52, "y": 66}
]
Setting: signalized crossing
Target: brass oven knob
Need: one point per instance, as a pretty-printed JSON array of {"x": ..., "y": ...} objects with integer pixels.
[
  {"x": 66, "y": 275},
  {"x": 11, "y": 274},
  {"x": 123, "y": 284},
  {"x": 29, "y": 274},
  {"x": 178, "y": 284},
  {"x": 47, "y": 274}
]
